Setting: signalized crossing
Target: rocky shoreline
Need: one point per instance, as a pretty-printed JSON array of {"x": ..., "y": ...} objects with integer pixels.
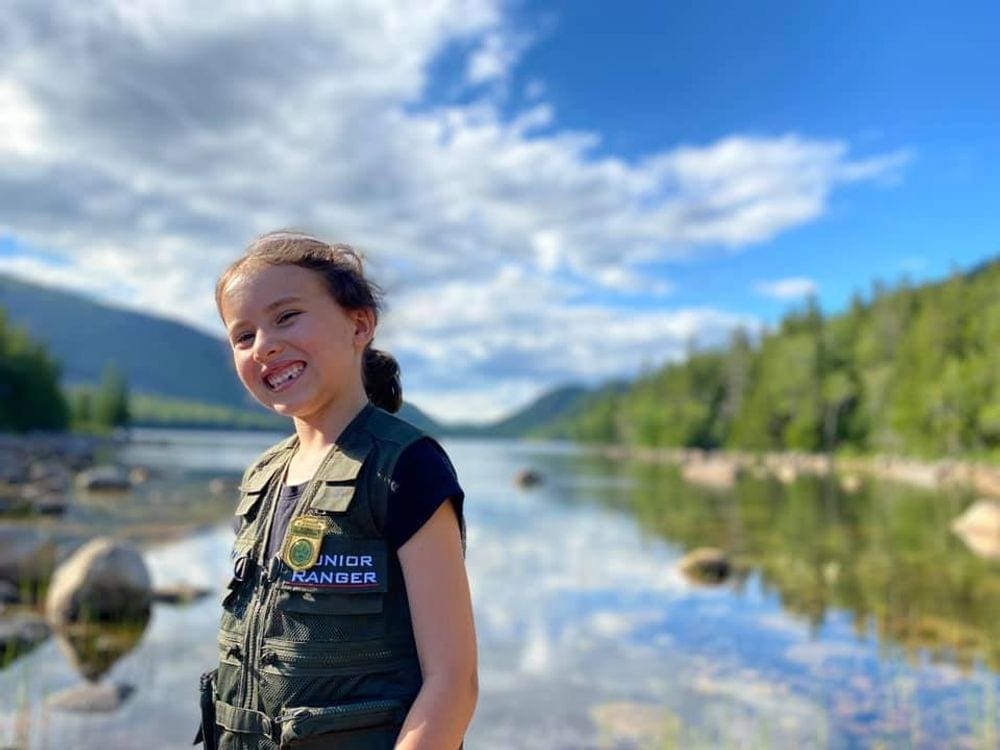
[
  {"x": 723, "y": 468},
  {"x": 978, "y": 526},
  {"x": 58, "y": 492}
]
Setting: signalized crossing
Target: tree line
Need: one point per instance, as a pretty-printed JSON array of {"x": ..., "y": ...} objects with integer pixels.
[
  {"x": 911, "y": 370},
  {"x": 32, "y": 399}
]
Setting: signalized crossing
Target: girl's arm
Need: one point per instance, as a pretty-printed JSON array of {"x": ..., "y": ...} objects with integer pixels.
[{"x": 441, "y": 608}]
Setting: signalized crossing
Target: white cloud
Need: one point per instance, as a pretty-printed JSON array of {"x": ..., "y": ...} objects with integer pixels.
[
  {"x": 627, "y": 280},
  {"x": 486, "y": 347},
  {"x": 145, "y": 143},
  {"x": 790, "y": 288},
  {"x": 495, "y": 56}
]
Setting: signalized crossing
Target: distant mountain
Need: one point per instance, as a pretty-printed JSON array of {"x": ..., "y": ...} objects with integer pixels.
[
  {"x": 539, "y": 416},
  {"x": 158, "y": 357},
  {"x": 548, "y": 407},
  {"x": 419, "y": 419}
]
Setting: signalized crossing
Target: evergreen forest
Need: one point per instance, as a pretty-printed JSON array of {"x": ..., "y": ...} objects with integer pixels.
[{"x": 911, "y": 370}]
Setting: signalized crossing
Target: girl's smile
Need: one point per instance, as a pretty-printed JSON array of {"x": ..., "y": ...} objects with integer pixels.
[
  {"x": 295, "y": 349},
  {"x": 280, "y": 377}
]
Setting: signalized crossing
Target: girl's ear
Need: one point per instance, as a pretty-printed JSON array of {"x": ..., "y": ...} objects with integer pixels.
[{"x": 364, "y": 326}]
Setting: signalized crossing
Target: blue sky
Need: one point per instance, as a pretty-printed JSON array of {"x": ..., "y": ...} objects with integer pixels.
[
  {"x": 549, "y": 191},
  {"x": 924, "y": 77}
]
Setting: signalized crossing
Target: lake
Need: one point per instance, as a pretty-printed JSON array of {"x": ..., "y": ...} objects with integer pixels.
[{"x": 852, "y": 620}]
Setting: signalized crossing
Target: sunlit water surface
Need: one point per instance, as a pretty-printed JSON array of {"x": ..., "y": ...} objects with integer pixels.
[{"x": 588, "y": 635}]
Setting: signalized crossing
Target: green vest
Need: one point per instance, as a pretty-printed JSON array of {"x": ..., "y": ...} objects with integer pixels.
[{"x": 316, "y": 647}]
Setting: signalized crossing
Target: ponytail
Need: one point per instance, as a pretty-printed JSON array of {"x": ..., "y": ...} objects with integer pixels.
[{"x": 380, "y": 373}]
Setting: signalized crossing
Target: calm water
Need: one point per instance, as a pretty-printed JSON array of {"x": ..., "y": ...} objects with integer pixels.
[{"x": 857, "y": 621}]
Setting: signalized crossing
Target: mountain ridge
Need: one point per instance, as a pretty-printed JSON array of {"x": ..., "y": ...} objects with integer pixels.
[{"x": 84, "y": 335}]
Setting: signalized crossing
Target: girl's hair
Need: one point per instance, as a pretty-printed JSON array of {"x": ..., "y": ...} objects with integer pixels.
[{"x": 342, "y": 270}]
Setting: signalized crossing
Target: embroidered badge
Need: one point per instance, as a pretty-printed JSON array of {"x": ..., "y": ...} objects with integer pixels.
[
  {"x": 305, "y": 538},
  {"x": 347, "y": 564}
]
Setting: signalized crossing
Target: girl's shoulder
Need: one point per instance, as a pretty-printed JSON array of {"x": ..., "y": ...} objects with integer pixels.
[
  {"x": 268, "y": 458},
  {"x": 393, "y": 428}
]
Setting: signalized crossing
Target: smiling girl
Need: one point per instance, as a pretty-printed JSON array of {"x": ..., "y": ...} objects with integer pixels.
[{"x": 348, "y": 622}]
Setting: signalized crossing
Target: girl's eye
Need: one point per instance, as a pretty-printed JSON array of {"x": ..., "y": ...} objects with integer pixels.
[
  {"x": 286, "y": 316},
  {"x": 244, "y": 339}
]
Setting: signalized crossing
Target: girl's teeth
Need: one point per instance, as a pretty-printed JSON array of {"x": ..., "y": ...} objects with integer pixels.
[{"x": 284, "y": 377}]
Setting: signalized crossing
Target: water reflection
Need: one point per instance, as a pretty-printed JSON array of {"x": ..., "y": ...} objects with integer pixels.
[
  {"x": 92, "y": 649},
  {"x": 884, "y": 553},
  {"x": 590, "y": 637}
]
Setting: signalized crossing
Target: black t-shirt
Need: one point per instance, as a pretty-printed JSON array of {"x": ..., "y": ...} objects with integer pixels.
[{"x": 422, "y": 479}]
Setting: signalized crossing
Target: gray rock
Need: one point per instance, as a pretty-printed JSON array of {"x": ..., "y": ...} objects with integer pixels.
[
  {"x": 104, "y": 580},
  {"x": 90, "y": 698},
  {"x": 27, "y": 555},
  {"x": 51, "y": 474},
  {"x": 104, "y": 479}
]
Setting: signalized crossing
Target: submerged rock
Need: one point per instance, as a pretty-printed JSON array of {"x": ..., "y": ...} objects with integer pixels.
[
  {"x": 104, "y": 580},
  {"x": 706, "y": 565},
  {"x": 93, "y": 649},
  {"x": 90, "y": 698},
  {"x": 527, "y": 478},
  {"x": 627, "y": 724}
]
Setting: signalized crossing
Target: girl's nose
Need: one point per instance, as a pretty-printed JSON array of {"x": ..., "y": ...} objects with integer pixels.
[{"x": 265, "y": 347}]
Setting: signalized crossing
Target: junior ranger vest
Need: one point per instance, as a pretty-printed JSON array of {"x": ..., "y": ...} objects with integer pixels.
[{"x": 316, "y": 647}]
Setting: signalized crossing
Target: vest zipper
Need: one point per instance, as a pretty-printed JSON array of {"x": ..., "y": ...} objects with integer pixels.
[{"x": 311, "y": 659}]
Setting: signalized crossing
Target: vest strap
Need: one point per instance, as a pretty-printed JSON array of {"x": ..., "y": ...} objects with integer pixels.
[{"x": 243, "y": 720}]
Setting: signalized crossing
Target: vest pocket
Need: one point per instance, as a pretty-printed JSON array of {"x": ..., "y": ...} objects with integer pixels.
[
  {"x": 364, "y": 725},
  {"x": 311, "y": 602},
  {"x": 326, "y": 616},
  {"x": 333, "y": 498}
]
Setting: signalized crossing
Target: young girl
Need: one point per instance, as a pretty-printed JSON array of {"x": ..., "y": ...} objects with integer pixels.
[{"x": 348, "y": 623}]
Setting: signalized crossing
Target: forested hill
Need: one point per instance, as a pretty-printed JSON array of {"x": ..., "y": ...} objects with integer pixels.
[
  {"x": 912, "y": 370},
  {"x": 181, "y": 376},
  {"x": 156, "y": 356}
]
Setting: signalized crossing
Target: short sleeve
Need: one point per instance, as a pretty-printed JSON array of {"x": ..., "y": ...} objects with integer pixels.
[{"x": 422, "y": 479}]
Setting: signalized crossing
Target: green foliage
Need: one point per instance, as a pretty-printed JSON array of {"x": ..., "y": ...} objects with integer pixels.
[
  {"x": 159, "y": 411},
  {"x": 912, "y": 370},
  {"x": 104, "y": 407},
  {"x": 30, "y": 398},
  {"x": 111, "y": 400}
]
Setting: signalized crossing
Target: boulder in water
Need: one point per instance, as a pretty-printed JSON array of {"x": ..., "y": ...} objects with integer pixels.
[
  {"x": 104, "y": 580},
  {"x": 979, "y": 528},
  {"x": 706, "y": 565},
  {"x": 527, "y": 478},
  {"x": 93, "y": 649},
  {"x": 104, "y": 479}
]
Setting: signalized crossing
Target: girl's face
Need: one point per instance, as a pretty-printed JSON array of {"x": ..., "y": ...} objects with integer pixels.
[{"x": 296, "y": 350}]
